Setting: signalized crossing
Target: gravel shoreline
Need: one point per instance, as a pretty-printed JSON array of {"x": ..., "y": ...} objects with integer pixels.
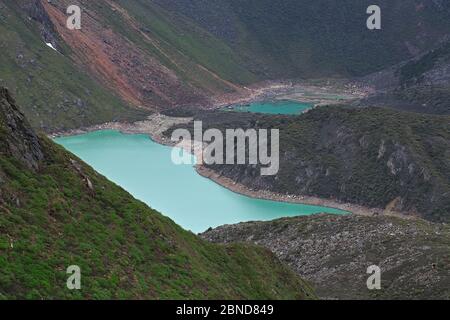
[
  {"x": 298, "y": 199},
  {"x": 317, "y": 94}
]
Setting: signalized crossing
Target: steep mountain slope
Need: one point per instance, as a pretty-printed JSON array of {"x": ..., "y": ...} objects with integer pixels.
[
  {"x": 127, "y": 53},
  {"x": 421, "y": 84},
  {"x": 334, "y": 252},
  {"x": 374, "y": 157},
  {"x": 55, "y": 212},
  {"x": 313, "y": 38},
  {"x": 55, "y": 94},
  {"x": 136, "y": 50},
  {"x": 160, "y": 54}
]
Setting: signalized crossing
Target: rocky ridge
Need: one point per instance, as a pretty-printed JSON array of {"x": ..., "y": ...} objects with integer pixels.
[{"x": 334, "y": 252}]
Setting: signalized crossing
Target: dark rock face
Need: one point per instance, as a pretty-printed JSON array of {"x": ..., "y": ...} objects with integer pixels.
[
  {"x": 37, "y": 12},
  {"x": 421, "y": 84},
  {"x": 17, "y": 137},
  {"x": 334, "y": 252}
]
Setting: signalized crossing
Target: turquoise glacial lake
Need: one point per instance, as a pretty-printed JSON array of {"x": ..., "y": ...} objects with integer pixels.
[
  {"x": 145, "y": 169},
  {"x": 277, "y": 107}
]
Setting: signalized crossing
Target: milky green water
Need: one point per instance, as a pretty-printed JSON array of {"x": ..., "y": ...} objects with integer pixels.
[
  {"x": 277, "y": 107},
  {"x": 144, "y": 168}
]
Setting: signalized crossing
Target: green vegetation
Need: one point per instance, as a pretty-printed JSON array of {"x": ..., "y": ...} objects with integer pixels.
[
  {"x": 189, "y": 45},
  {"x": 206, "y": 48},
  {"x": 316, "y": 38},
  {"x": 370, "y": 156},
  {"x": 176, "y": 43},
  {"x": 54, "y": 93},
  {"x": 55, "y": 211},
  {"x": 432, "y": 99},
  {"x": 424, "y": 81}
]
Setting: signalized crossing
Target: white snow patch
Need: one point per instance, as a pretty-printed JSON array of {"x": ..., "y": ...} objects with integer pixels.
[{"x": 51, "y": 46}]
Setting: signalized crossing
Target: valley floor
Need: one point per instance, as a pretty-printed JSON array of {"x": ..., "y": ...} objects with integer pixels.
[{"x": 318, "y": 92}]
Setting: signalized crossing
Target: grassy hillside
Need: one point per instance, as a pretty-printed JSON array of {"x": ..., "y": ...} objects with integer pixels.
[
  {"x": 55, "y": 211},
  {"x": 189, "y": 45},
  {"x": 127, "y": 54},
  {"x": 55, "y": 94},
  {"x": 161, "y": 54},
  {"x": 314, "y": 38},
  {"x": 371, "y": 156}
]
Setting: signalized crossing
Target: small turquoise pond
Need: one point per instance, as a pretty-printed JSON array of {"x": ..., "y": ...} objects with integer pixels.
[{"x": 275, "y": 107}]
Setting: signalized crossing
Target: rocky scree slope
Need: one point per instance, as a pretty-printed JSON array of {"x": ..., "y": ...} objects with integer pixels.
[
  {"x": 421, "y": 84},
  {"x": 334, "y": 252}
]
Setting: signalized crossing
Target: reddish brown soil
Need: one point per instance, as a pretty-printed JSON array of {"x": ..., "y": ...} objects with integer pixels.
[{"x": 120, "y": 65}]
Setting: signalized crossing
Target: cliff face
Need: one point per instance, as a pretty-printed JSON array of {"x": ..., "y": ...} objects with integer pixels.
[
  {"x": 421, "y": 84},
  {"x": 17, "y": 137},
  {"x": 333, "y": 253},
  {"x": 36, "y": 11},
  {"x": 56, "y": 212}
]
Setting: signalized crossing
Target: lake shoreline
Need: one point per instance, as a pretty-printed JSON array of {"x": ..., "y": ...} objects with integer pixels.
[
  {"x": 296, "y": 199},
  {"x": 317, "y": 93},
  {"x": 295, "y": 91},
  {"x": 154, "y": 127},
  {"x": 156, "y": 124}
]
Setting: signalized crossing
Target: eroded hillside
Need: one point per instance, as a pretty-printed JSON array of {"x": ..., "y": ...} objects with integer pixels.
[{"x": 127, "y": 58}]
